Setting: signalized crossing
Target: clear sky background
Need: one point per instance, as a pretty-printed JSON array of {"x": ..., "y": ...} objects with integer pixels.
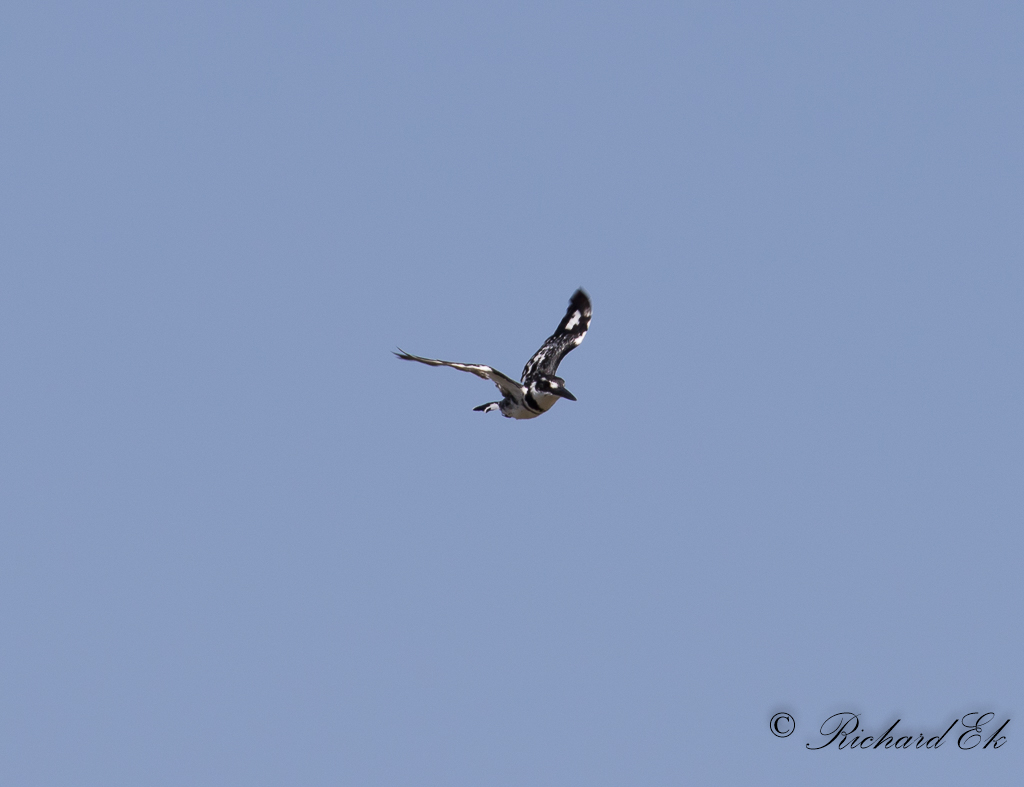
[{"x": 244, "y": 545}]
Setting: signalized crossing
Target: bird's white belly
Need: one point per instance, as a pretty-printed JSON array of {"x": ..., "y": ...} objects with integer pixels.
[
  {"x": 521, "y": 413},
  {"x": 545, "y": 401}
]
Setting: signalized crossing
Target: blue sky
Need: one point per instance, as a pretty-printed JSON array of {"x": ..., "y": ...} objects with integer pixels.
[{"x": 243, "y": 545}]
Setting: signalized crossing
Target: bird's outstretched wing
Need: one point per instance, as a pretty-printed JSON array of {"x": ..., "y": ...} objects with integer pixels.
[
  {"x": 567, "y": 336},
  {"x": 506, "y": 384}
]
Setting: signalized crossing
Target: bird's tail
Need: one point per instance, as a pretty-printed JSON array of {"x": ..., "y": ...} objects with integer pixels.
[{"x": 486, "y": 408}]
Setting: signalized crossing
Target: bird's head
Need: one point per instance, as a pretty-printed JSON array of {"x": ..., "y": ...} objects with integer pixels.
[{"x": 554, "y": 386}]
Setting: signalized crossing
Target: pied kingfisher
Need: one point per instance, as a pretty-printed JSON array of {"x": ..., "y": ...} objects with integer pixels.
[{"x": 540, "y": 388}]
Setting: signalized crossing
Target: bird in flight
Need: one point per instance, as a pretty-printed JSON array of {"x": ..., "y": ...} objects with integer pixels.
[{"x": 539, "y": 388}]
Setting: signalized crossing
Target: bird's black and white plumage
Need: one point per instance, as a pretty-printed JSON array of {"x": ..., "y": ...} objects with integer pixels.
[{"x": 540, "y": 388}]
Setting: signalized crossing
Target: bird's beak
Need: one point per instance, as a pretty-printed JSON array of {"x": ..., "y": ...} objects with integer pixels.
[{"x": 565, "y": 393}]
